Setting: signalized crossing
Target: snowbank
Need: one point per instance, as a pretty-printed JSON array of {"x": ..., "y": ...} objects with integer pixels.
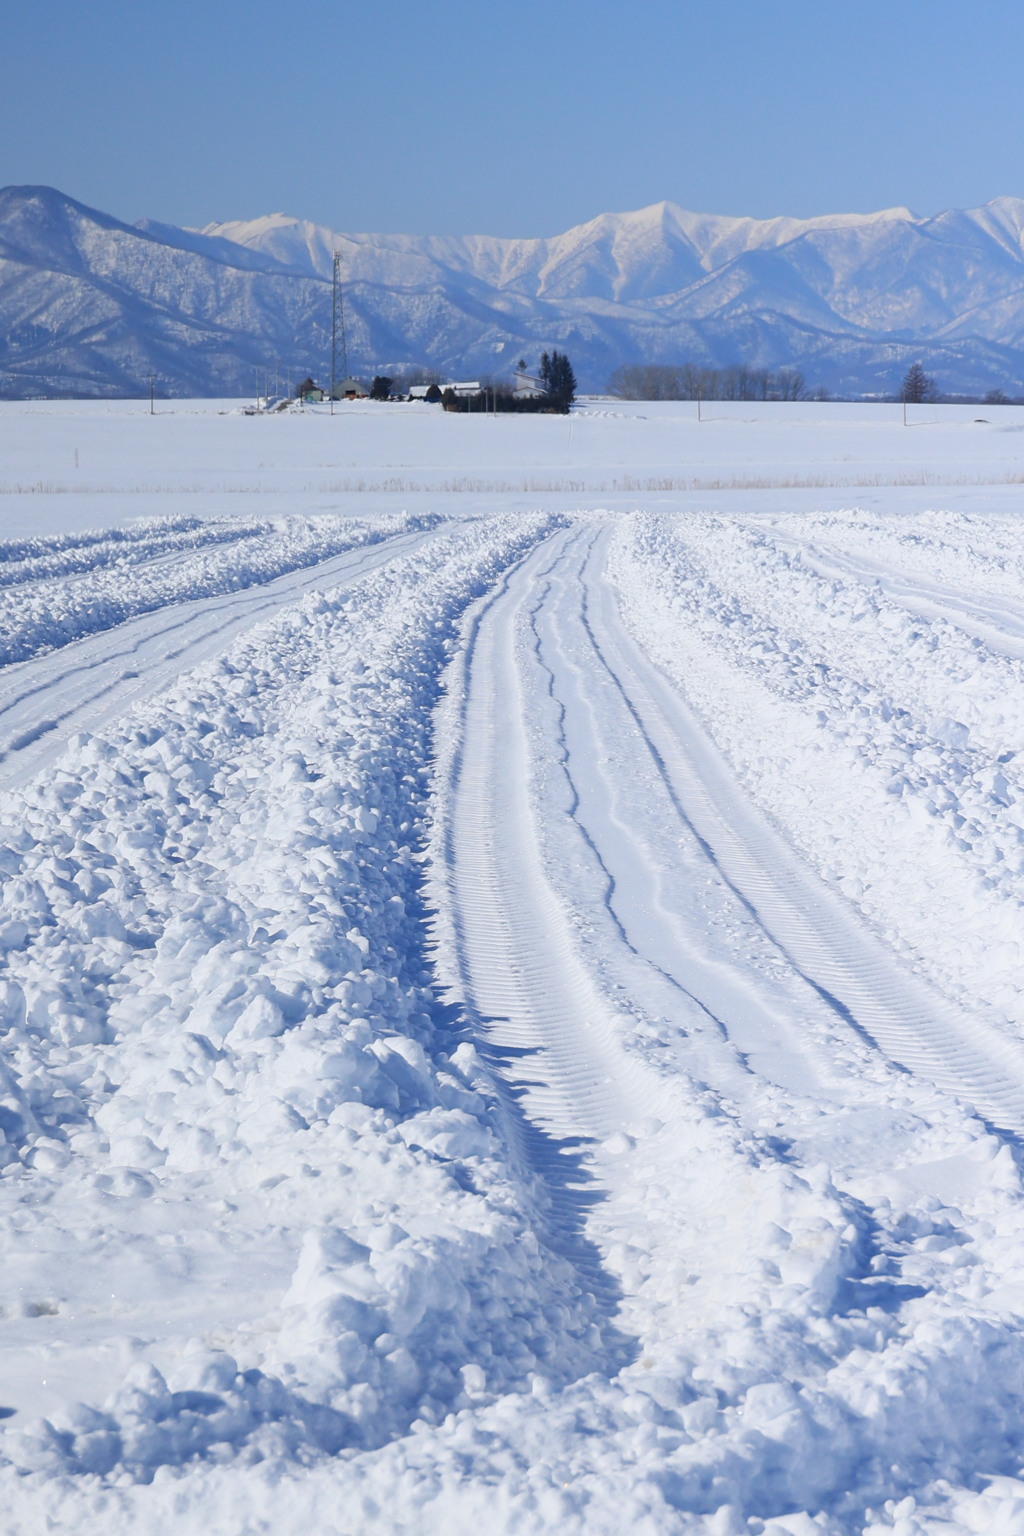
[{"x": 219, "y": 1042}]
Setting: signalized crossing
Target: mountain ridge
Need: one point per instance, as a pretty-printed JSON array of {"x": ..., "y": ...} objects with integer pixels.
[{"x": 92, "y": 305}]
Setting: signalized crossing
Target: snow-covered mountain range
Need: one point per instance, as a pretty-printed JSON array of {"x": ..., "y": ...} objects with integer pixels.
[{"x": 91, "y": 305}]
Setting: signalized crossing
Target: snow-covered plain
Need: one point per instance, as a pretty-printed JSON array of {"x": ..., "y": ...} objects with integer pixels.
[{"x": 512, "y": 971}]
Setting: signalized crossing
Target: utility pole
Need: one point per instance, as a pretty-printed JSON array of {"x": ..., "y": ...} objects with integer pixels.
[
  {"x": 337, "y": 328},
  {"x": 698, "y": 403},
  {"x": 334, "y": 325},
  {"x": 152, "y": 412}
]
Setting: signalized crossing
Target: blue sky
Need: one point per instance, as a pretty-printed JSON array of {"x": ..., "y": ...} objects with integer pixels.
[{"x": 511, "y": 116}]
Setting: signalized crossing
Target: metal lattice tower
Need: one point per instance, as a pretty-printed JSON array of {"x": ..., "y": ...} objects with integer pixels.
[{"x": 337, "y": 328}]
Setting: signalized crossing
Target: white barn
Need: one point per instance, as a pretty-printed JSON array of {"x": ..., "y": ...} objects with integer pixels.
[{"x": 526, "y": 386}]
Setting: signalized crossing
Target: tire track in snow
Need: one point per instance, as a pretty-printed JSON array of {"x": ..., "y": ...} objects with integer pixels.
[
  {"x": 852, "y": 971},
  {"x": 583, "y": 812},
  {"x": 508, "y": 953},
  {"x": 50, "y": 697},
  {"x": 46, "y": 615},
  {"x": 594, "y": 987},
  {"x": 518, "y": 962},
  {"x": 645, "y": 890},
  {"x": 996, "y": 621}
]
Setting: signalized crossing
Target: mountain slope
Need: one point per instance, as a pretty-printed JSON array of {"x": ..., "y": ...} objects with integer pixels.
[{"x": 91, "y": 305}]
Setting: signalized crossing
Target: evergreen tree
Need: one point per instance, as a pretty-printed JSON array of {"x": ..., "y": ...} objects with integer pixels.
[
  {"x": 558, "y": 378},
  {"x": 380, "y": 389},
  {"x": 917, "y": 386}
]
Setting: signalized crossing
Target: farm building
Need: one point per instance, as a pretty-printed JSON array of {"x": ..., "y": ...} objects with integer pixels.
[{"x": 350, "y": 389}]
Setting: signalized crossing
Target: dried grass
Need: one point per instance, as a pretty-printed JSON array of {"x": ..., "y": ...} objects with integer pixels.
[{"x": 473, "y": 485}]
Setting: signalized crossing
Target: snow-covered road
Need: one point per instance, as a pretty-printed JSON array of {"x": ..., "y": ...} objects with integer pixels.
[{"x": 518, "y": 1019}]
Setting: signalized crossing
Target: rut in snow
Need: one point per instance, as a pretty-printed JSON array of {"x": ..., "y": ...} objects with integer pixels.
[
  {"x": 91, "y": 680},
  {"x": 586, "y": 798}
]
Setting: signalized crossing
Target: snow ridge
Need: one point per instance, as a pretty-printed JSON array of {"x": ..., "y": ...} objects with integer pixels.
[
  {"x": 264, "y": 1025},
  {"x": 65, "y": 590}
]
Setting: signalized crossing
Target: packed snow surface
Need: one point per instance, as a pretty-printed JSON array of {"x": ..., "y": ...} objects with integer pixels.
[{"x": 512, "y": 1009}]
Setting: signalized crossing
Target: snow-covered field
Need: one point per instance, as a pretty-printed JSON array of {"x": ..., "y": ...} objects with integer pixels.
[{"x": 512, "y": 986}]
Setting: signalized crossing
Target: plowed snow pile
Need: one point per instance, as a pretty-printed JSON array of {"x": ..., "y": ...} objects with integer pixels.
[{"x": 513, "y": 1019}]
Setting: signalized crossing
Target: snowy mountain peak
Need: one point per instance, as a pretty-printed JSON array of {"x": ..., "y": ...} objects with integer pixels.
[
  {"x": 89, "y": 304},
  {"x": 660, "y": 248}
]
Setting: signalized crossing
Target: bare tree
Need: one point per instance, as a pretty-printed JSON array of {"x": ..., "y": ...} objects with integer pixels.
[
  {"x": 789, "y": 385},
  {"x": 687, "y": 381}
]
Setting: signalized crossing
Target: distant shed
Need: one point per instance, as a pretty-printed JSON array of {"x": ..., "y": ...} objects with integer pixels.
[
  {"x": 526, "y": 386},
  {"x": 350, "y": 389}
]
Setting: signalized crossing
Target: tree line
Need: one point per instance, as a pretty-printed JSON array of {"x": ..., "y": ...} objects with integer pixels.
[
  {"x": 688, "y": 381},
  {"x": 919, "y": 388}
]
